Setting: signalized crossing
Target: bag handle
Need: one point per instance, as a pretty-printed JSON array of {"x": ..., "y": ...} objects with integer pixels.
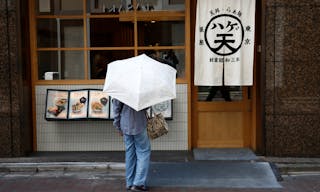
[{"x": 146, "y": 114}]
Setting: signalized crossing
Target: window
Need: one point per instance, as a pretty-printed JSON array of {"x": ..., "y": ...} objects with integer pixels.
[
  {"x": 220, "y": 93},
  {"x": 76, "y": 39}
]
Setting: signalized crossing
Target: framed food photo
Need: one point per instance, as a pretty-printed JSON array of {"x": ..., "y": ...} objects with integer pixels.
[
  {"x": 165, "y": 108},
  {"x": 56, "y": 104},
  {"x": 98, "y": 104},
  {"x": 78, "y": 104}
]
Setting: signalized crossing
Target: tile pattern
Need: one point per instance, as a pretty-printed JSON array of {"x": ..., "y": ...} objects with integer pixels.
[
  {"x": 292, "y": 95},
  {"x": 95, "y": 135}
]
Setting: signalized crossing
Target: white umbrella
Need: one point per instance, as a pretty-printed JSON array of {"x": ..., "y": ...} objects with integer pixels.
[{"x": 140, "y": 81}]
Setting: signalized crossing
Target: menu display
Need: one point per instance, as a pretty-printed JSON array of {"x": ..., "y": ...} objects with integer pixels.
[{"x": 89, "y": 104}]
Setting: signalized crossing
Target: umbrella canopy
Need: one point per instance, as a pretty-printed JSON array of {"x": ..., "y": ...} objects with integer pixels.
[{"x": 140, "y": 81}]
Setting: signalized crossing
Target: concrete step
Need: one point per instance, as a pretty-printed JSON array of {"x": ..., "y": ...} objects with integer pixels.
[
  {"x": 213, "y": 174},
  {"x": 61, "y": 166}
]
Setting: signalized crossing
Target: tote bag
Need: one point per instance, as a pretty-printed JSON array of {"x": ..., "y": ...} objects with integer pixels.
[{"x": 156, "y": 126}]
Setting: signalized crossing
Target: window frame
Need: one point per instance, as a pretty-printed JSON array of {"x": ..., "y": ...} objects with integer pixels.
[{"x": 133, "y": 16}]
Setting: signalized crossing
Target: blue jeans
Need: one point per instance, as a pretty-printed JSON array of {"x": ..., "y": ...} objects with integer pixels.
[{"x": 138, "y": 152}]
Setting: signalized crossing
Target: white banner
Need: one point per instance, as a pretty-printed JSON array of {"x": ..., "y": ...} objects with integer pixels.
[{"x": 224, "y": 42}]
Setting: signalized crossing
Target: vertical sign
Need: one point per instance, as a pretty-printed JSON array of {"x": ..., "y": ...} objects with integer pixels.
[{"x": 224, "y": 42}]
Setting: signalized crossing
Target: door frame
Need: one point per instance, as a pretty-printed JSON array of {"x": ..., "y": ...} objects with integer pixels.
[{"x": 256, "y": 140}]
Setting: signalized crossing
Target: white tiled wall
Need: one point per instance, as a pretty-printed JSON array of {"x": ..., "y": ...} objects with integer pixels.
[{"x": 96, "y": 135}]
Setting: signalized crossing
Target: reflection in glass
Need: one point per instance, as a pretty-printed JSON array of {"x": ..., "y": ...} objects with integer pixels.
[
  {"x": 71, "y": 33},
  {"x": 160, "y": 5},
  {"x": 107, "y": 6},
  {"x": 100, "y": 59},
  {"x": 174, "y": 58},
  {"x": 219, "y": 93},
  {"x": 47, "y": 33},
  {"x": 47, "y": 62},
  {"x": 116, "y": 6},
  {"x": 65, "y": 64},
  {"x": 163, "y": 33},
  {"x": 59, "y": 7},
  {"x": 110, "y": 33},
  {"x": 60, "y": 33}
]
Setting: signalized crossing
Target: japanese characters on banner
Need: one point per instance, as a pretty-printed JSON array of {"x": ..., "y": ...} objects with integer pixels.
[{"x": 224, "y": 42}]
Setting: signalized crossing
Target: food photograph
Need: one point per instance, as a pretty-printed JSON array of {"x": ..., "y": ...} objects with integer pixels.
[
  {"x": 56, "y": 105},
  {"x": 98, "y": 104},
  {"x": 78, "y": 104}
]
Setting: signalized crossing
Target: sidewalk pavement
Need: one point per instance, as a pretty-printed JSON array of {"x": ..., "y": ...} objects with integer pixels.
[
  {"x": 104, "y": 171},
  {"x": 112, "y": 182},
  {"x": 115, "y": 161}
]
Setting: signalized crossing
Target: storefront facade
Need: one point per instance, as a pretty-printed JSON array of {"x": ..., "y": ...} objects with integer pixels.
[{"x": 69, "y": 43}]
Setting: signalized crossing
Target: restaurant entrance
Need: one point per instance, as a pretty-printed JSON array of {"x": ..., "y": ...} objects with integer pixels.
[
  {"x": 228, "y": 116},
  {"x": 222, "y": 117}
]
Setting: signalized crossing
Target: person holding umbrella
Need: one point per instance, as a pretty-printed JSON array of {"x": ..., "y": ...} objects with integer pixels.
[
  {"x": 135, "y": 84},
  {"x": 131, "y": 124}
]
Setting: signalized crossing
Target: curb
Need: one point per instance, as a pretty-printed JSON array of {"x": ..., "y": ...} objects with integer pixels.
[
  {"x": 61, "y": 166},
  {"x": 281, "y": 166},
  {"x": 294, "y": 165},
  {"x": 293, "y": 168}
]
